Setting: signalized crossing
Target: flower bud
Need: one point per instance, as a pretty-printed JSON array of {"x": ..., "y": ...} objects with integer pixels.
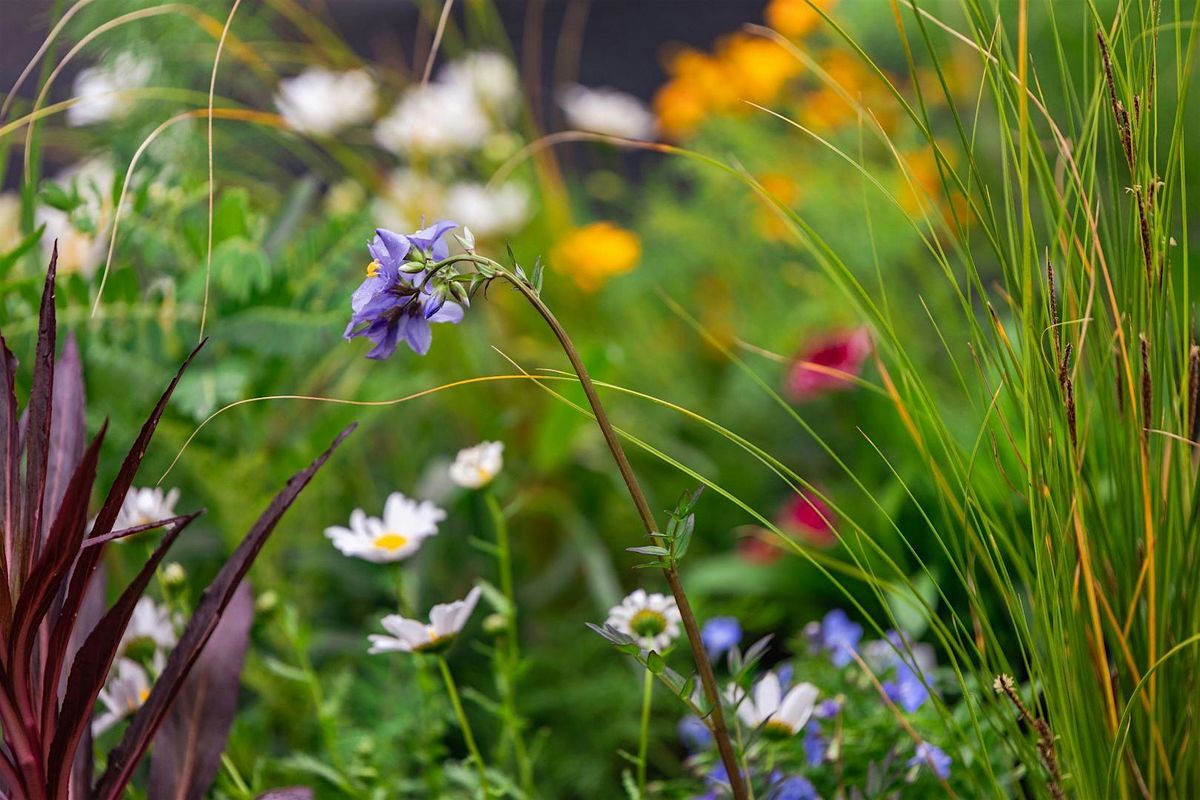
[
  {"x": 174, "y": 575},
  {"x": 412, "y": 267},
  {"x": 494, "y": 624},
  {"x": 267, "y": 602}
]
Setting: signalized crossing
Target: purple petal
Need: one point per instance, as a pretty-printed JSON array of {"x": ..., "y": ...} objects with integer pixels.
[
  {"x": 449, "y": 312},
  {"x": 389, "y": 248},
  {"x": 418, "y": 334}
]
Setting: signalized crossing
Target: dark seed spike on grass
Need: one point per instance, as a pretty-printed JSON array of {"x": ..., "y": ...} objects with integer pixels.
[{"x": 124, "y": 758}]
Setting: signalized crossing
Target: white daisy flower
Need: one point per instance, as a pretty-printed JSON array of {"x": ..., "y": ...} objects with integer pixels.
[
  {"x": 125, "y": 693},
  {"x": 405, "y": 525},
  {"x": 435, "y": 119},
  {"x": 606, "y": 111},
  {"x": 322, "y": 102},
  {"x": 144, "y": 506},
  {"x": 777, "y": 714},
  {"x": 101, "y": 90},
  {"x": 651, "y": 619},
  {"x": 407, "y": 197},
  {"x": 475, "y": 467},
  {"x": 488, "y": 211},
  {"x": 489, "y": 76},
  {"x": 151, "y": 625},
  {"x": 446, "y": 620}
]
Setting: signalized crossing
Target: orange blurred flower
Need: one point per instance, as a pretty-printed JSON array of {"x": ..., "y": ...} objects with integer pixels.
[
  {"x": 784, "y": 189},
  {"x": 755, "y": 67},
  {"x": 596, "y": 252},
  {"x": 796, "y": 18}
]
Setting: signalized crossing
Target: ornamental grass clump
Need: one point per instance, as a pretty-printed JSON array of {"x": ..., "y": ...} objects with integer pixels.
[{"x": 58, "y": 640}]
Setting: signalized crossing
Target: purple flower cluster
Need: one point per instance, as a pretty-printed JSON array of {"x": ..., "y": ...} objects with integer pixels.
[
  {"x": 395, "y": 304},
  {"x": 837, "y": 634},
  {"x": 721, "y": 634}
]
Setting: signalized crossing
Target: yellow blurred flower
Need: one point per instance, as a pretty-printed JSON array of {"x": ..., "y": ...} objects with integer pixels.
[
  {"x": 680, "y": 108},
  {"x": 796, "y": 18},
  {"x": 784, "y": 189},
  {"x": 596, "y": 252},
  {"x": 755, "y": 67},
  {"x": 922, "y": 188}
]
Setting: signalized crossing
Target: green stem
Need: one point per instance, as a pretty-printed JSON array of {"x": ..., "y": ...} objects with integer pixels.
[
  {"x": 511, "y": 656},
  {"x": 699, "y": 656},
  {"x": 644, "y": 741},
  {"x": 463, "y": 724}
]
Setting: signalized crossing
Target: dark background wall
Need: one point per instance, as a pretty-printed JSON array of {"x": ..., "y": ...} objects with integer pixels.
[{"x": 621, "y": 45}]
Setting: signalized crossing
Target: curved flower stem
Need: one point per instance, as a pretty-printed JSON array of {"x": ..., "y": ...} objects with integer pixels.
[
  {"x": 463, "y": 724},
  {"x": 644, "y": 741},
  {"x": 703, "y": 667}
]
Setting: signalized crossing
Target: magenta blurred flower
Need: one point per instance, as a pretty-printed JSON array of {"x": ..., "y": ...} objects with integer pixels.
[
  {"x": 809, "y": 518},
  {"x": 826, "y": 364}
]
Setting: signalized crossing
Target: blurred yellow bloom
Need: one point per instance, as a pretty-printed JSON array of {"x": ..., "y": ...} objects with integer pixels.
[
  {"x": 923, "y": 188},
  {"x": 755, "y": 67},
  {"x": 680, "y": 108},
  {"x": 796, "y": 18},
  {"x": 784, "y": 189},
  {"x": 596, "y": 252}
]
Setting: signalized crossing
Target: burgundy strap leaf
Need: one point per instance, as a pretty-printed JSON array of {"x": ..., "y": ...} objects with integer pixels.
[
  {"x": 68, "y": 431},
  {"x": 94, "y": 541},
  {"x": 90, "y": 614},
  {"x": 53, "y": 567},
  {"x": 37, "y": 433},
  {"x": 187, "y": 750},
  {"x": 89, "y": 557},
  {"x": 92, "y": 664},
  {"x": 10, "y": 458},
  {"x": 290, "y": 793},
  {"x": 124, "y": 758}
]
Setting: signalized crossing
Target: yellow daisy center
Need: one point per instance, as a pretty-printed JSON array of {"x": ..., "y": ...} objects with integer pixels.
[
  {"x": 777, "y": 729},
  {"x": 142, "y": 695},
  {"x": 390, "y": 541},
  {"x": 373, "y": 268},
  {"x": 648, "y": 623}
]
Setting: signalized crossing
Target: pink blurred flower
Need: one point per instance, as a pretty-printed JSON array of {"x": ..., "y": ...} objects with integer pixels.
[
  {"x": 823, "y": 366},
  {"x": 809, "y": 518},
  {"x": 753, "y": 545}
]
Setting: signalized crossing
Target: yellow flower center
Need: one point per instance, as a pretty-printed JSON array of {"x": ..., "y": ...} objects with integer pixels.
[
  {"x": 142, "y": 695},
  {"x": 648, "y": 623},
  {"x": 390, "y": 541},
  {"x": 373, "y": 268},
  {"x": 777, "y": 729}
]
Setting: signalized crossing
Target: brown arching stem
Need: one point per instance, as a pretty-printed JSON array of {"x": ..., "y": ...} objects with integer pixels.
[{"x": 699, "y": 655}]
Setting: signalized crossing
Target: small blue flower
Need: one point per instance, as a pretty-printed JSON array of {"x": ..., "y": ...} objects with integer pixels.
[
  {"x": 720, "y": 634},
  {"x": 907, "y": 690},
  {"x": 393, "y": 305},
  {"x": 815, "y": 745},
  {"x": 785, "y": 673},
  {"x": 694, "y": 734},
  {"x": 932, "y": 757},
  {"x": 840, "y": 636},
  {"x": 827, "y": 709},
  {"x": 797, "y": 787}
]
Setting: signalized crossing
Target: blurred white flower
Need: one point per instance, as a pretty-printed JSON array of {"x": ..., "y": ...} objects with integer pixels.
[
  {"x": 151, "y": 624},
  {"x": 143, "y": 506},
  {"x": 10, "y": 221},
  {"x": 408, "y": 196},
  {"x": 476, "y": 466},
  {"x": 79, "y": 250},
  {"x": 125, "y": 693},
  {"x": 606, "y": 111},
  {"x": 322, "y": 102},
  {"x": 404, "y": 527},
  {"x": 488, "y": 211},
  {"x": 491, "y": 77},
  {"x": 409, "y": 635},
  {"x": 651, "y": 619},
  {"x": 101, "y": 91},
  {"x": 435, "y": 119},
  {"x": 769, "y": 708}
]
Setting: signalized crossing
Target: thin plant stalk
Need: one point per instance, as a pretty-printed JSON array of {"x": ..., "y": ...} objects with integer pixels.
[
  {"x": 510, "y": 654},
  {"x": 703, "y": 667},
  {"x": 463, "y": 724},
  {"x": 644, "y": 739}
]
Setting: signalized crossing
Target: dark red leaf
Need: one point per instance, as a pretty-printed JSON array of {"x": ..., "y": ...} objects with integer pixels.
[
  {"x": 10, "y": 458},
  {"x": 92, "y": 664},
  {"x": 90, "y": 614},
  {"x": 89, "y": 558},
  {"x": 37, "y": 432},
  {"x": 95, "y": 541},
  {"x": 124, "y": 758},
  {"x": 187, "y": 750},
  {"x": 68, "y": 431}
]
